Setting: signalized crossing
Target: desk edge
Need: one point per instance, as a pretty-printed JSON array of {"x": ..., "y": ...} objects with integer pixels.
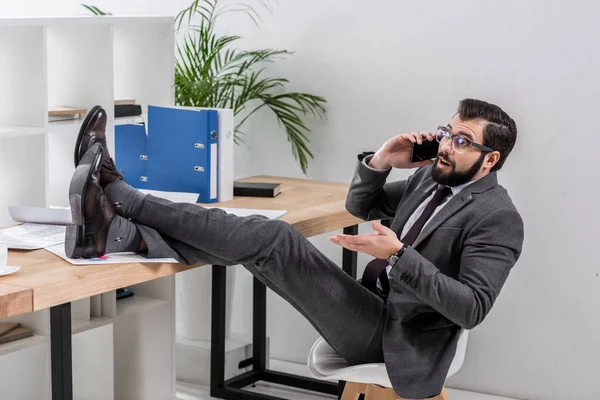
[{"x": 15, "y": 300}]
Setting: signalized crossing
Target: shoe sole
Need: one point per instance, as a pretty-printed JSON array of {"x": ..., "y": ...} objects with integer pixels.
[
  {"x": 75, "y": 234},
  {"x": 84, "y": 126}
]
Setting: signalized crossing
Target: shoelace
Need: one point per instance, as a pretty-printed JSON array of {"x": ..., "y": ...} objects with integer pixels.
[{"x": 109, "y": 167}]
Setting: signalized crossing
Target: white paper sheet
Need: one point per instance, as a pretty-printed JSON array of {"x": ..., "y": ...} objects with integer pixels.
[
  {"x": 245, "y": 212},
  {"x": 112, "y": 258},
  {"x": 41, "y": 215},
  {"x": 30, "y": 236},
  {"x": 180, "y": 197},
  {"x": 176, "y": 197}
]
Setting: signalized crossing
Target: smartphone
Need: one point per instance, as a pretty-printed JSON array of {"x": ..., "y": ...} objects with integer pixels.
[{"x": 426, "y": 151}]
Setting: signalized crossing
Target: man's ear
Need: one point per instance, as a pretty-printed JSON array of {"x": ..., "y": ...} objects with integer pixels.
[{"x": 492, "y": 159}]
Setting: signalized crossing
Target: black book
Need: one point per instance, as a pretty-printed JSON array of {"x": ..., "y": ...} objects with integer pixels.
[
  {"x": 256, "y": 189},
  {"x": 127, "y": 110}
]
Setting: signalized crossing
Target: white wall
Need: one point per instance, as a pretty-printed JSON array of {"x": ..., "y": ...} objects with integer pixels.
[{"x": 388, "y": 67}]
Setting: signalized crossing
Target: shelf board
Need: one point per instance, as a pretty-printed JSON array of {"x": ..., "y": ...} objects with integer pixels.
[
  {"x": 64, "y": 123},
  {"x": 8, "y": 131},
  {"x": 21, "y": 344},
  {"x": 86, "y": 19},
  {"x": 79, "y": 325},
  {"x": 135, "y": 304}
]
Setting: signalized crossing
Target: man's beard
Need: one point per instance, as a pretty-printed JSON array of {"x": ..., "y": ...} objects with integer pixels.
[{"x": 454, "y": 178}]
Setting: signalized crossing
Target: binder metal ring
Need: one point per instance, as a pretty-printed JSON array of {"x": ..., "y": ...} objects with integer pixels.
[
  {"x": 213, "y": 135},
  {"x": 201, "y": 169},
  {"x": 198, "y": 145}
]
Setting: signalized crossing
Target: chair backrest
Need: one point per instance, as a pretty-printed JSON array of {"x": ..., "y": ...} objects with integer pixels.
[{"x": 324, "y": 363}]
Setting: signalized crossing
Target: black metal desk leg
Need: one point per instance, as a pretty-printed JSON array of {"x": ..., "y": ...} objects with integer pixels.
[
  {"x": 233, "y": 389},
  {"x": 349, "y": 257},
  {"x": 61, "y": 353},
  {"x": 217, "y": 339},
  {"x": 259, "y": 326}
]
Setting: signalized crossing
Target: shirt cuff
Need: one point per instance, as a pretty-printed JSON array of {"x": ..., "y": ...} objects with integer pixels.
[{"x": 366, "y": 160}]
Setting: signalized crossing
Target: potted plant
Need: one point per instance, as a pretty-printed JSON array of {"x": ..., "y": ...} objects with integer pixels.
[{"x": 211, "y": 72}]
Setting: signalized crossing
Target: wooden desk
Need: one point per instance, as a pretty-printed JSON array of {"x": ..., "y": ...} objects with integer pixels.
[{"x": 47, "y": 281}]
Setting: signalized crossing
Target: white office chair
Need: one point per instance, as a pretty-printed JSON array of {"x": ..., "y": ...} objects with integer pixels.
[{"x": 369, "y": 379}]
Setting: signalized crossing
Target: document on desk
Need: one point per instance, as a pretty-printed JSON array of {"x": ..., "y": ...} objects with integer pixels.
[
  {"x": 111, "y": 258},
  {"x": 30, "y": 236},
  {"x": 246, "y": 212},
  {"x": 175, "y": 197},
  {"x": 41, "y": 215},
  {"x": 192, "y": 198}
]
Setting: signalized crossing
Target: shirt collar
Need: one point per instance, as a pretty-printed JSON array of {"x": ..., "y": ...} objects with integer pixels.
[{"x": 457, "y": 189}]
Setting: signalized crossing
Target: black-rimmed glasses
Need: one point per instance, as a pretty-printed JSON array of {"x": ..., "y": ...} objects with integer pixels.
[{"x": 459, "y": 143}]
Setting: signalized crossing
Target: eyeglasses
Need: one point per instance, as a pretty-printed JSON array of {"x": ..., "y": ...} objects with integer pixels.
[{"x": 459, "y": 143}]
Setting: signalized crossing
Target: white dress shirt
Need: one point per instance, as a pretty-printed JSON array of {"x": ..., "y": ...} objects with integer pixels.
[{"x": 417, "y": 213}]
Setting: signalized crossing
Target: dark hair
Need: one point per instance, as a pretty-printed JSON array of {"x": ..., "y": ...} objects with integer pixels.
[{"x": 500, "y": 132}]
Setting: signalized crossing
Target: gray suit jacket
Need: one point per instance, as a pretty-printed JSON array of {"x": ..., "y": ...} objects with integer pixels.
[{"x": 448, "y": 279}]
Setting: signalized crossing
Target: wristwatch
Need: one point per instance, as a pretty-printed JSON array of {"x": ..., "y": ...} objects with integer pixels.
[{"x": 393, "y": 259}]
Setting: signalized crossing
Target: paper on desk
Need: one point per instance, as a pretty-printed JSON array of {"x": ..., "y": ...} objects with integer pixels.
[
  {"x": 245, "y": 212},
  {"x": 30, "y": 236},
  {"x": 175, "y": 197},
  {"x": 112, "y": 258},
  {"x": 192, "y": 198},
  {"x": 41, "y": 215}
]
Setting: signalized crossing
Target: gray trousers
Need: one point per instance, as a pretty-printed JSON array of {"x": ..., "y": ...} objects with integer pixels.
[{"x": 347, "y": 315}]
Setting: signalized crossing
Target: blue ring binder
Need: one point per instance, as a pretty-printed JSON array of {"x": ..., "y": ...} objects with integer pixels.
[{"x": 179, "y": 153}]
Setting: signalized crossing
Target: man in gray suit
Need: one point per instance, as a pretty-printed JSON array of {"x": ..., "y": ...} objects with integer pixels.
[{"x": 454, "y": 237}]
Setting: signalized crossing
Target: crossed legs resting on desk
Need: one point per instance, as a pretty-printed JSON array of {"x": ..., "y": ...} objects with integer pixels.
[{"x": 346, "y": 314}]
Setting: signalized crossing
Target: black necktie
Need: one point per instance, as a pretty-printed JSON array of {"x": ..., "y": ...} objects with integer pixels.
[{"x": 376, "y": 268}]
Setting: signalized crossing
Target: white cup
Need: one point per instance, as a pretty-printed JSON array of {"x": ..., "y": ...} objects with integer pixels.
[{"x": 3, "y": 255}]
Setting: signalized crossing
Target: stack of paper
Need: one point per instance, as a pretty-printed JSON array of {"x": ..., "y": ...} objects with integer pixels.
[
  {"x": 32, "y": 236},
  {"x": 41, "y": 215}
]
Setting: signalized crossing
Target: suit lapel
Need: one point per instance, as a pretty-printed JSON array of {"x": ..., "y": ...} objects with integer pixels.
[
  {"x": 455, "y": 204},
  {"x": 419, "y": 195}
]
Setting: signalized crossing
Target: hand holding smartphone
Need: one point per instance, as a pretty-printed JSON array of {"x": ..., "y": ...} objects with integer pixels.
[
  {"x": 403, "y": 151},
  {"x": 426, "y": 151}
]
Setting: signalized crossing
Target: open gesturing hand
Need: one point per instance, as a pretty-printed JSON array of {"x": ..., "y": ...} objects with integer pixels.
[{"x": 380, "y": 244}]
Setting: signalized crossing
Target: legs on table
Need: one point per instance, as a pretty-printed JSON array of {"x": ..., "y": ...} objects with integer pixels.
[{"x": 346, "y": 314}]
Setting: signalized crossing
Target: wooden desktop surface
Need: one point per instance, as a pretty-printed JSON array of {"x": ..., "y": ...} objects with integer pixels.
[{"x": 46, "y": 280}]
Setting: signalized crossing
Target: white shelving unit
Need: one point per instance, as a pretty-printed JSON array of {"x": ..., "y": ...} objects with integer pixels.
[{"x": 124, "y": 349}]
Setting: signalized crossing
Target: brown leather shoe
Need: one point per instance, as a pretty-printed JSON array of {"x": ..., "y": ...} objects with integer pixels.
[
  {"x": 93, "y": 130},
  {"x": 91, "y": 211}
]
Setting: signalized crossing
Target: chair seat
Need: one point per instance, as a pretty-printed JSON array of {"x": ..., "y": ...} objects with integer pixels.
[{"x": 325, "y": 363}]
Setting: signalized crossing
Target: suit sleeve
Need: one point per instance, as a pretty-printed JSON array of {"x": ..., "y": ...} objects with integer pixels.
[
  {"x": 370, "y": 197},
  {"x": 490, "y": 251}
]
